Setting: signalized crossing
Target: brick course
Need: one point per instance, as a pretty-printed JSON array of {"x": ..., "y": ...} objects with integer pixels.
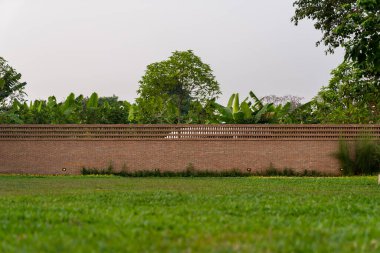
[{"x": 39, "y": 149}]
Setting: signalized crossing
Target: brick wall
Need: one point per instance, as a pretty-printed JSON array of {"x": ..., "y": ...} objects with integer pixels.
[{"x": 66, "y": 149}]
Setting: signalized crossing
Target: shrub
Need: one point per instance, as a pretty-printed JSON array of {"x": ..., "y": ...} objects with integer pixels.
[
  {"x": 157, "y": 173},
  {"x": 92, "y": 171},
  {"x": 287, "y": 172},
  {"x": 190, "y": 171},
  {"x": 360, "y": 158},
  {"x": 344, "y": 157}
]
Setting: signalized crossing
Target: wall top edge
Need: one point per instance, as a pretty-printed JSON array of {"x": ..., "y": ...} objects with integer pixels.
[
  {"x": 186, "y": 125},
  {"x": 181, "y": 140}
]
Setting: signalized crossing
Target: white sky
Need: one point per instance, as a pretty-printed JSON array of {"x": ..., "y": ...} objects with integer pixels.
[{"x": 81, "y": 46}]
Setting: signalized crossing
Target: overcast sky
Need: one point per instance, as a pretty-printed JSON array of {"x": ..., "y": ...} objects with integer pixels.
[{"x": 81, "y": 46}]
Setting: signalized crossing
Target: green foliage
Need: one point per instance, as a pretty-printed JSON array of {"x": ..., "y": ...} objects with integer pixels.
[
  {"x": 73, "y": 110},
  {"x": 155, "y": 110},
  {"x": 191, "y": 171},
  {"x": 288, "y": 172},
  {"x": 367, "y": 157},
  {"x": 173, "y": 85},
  {"x": 235, "y": 112},
  {"x": 359, "y": 158},
  {"x": 351, "y": 24},
  {"x": 2, "y": 84},
  {"x": 349, "y": 98},
  {"x": 92, "y": 109},
  {"x": 253, "y": 111},
  {"x": 344, "y": 157},
  {"x": 93, "y": 171},
  {"x": 353, "y": 93},
  {"x": 188, "y": 172},
  {"x": 183, "y": 89},
  {"x": 337, "y": 103},
  {"x": 202, "y": 114},
  {"x": 11, "y": 88}
]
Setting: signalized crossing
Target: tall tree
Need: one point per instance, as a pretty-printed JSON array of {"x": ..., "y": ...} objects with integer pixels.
[
  {"x": 11, "y": 87},
  {"x": 349, "y": 98},
  {"x": 351, "y": 24},
  {"x": 178, "y": 81}
]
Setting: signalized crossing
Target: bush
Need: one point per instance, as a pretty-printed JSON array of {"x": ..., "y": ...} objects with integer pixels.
[
  {"x": 157, "y": 173},
  {"x": 360, "y": 158},
  {"x": 287, "y": 172},
  {"x": 93, "y": 171},
  {"x": 190, "y": 171}
]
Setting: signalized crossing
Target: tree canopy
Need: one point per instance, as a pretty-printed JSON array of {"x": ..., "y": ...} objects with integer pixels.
[
  {"x": 351, "y": 24},
  {"x": 349, "y": 98},
  {"x": 175, "y": 84},
  {"x": 353, "y": 93},
  {"x": 10, "y": 85}
]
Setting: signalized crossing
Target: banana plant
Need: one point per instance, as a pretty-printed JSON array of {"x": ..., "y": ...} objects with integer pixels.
[
  {"x": 73, "y": 110},
  {"x": 234, "y": 112},
  {"x": 64, "y": 112},
  {"x": 93, "y": 101},
  {"x": 92, "y": 105},
  {"x": 251, "y": 110},
  {"x": 133, "y": 109}
]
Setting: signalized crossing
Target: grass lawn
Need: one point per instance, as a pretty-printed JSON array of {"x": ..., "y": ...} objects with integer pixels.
[{"x": 115, "y": 214}]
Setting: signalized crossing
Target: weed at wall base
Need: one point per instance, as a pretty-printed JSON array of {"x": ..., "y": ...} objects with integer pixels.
[
  {"x": 202, "y": 173},
  {"x": 288, "y": 172},
  {"x": 159, "y": 173}
]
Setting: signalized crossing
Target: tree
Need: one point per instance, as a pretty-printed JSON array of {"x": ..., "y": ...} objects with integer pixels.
[
  {"x": 176, "y": 82},
  {"x": 351, "y": 24},
  {"x": 11, "y": 87},
  {"x": 294, "y": 101},
  {"x": 113, "y": 110},
  {"x": 349, "y": 98}
]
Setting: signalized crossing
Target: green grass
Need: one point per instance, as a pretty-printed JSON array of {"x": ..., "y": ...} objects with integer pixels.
[{"x": 254, "y": 214}]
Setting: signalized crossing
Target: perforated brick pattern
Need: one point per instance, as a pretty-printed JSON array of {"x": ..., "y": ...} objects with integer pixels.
[{"x": 187, "y": 132}]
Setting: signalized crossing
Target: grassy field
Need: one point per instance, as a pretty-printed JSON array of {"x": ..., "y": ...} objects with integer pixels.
[{"x": 115, "y": 214}]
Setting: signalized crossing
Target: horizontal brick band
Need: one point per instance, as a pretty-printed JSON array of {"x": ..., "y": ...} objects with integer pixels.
[{"x": 187, "y": 132}]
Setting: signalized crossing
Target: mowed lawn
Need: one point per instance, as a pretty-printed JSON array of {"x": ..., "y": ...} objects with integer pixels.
[{"x": 254, "y": 214}]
